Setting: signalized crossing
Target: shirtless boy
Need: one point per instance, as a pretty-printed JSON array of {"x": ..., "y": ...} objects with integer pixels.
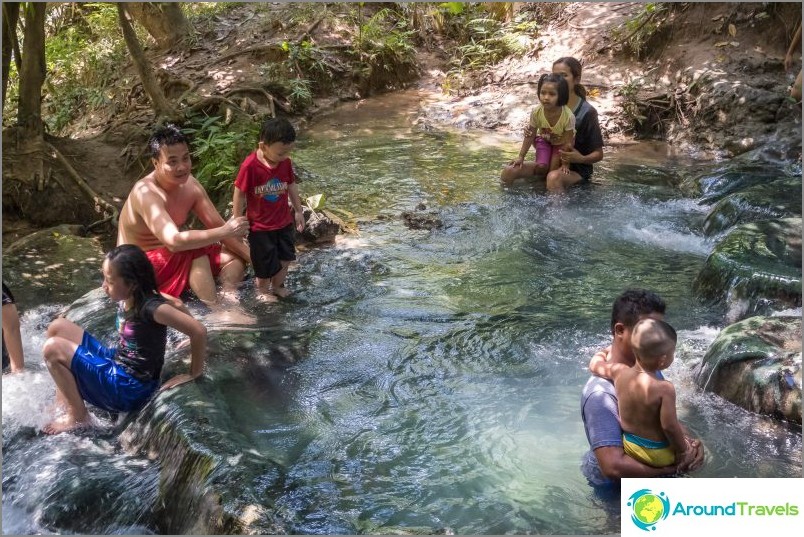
[
  {"x": 160, "y": 204},
  {"x": 652, "y": 433}
]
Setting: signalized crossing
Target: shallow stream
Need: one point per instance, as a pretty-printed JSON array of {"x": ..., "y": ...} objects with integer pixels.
[{"x": 431, "y": 379}]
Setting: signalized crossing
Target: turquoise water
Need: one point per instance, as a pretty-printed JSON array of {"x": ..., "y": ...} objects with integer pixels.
[{"x": 421, "y": 381}]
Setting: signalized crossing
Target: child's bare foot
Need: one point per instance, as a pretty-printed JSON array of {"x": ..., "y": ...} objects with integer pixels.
[
  {"x": 282, "y": 292},
  {"x": 66, "y": 424},
  {"x": 229, "y": 298},
  {"x": 266, "y": 298}
]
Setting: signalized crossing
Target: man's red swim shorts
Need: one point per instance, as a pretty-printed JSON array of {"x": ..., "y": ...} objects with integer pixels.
[{"x": 173, "y": 268}]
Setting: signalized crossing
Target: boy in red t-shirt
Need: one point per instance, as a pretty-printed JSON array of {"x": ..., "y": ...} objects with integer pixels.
[{"x": 263, "y": 185}]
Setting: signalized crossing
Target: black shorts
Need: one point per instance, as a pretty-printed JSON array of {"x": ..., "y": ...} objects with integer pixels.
[
  {"x": 8, "y": 298},
  {"x": 268, "y": 248}
]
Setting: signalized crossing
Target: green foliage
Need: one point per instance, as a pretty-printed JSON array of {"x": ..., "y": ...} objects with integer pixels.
[
  {"x": 301, "y": 95},
  {"x": 300, "y": 75},
  {"x": 83, "y": 53},
  {"x": 384, "y": 48},
  {"x": 637, "y": 31},
  {"x": 218, "y": 150},
  {"x": 629, "y": 94}
]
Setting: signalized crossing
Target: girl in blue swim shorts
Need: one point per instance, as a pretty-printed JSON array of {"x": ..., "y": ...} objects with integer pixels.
[{"x": 124, "y": 377}]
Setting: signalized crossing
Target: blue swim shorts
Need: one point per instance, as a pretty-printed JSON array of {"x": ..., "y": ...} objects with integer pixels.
[{"x": 103, "y": 382}]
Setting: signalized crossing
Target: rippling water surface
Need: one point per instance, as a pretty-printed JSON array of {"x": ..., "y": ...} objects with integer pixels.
[{"x": 436, "y": 375}]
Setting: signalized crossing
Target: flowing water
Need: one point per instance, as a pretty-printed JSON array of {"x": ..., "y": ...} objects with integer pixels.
[{"x": 432, "y": 379}]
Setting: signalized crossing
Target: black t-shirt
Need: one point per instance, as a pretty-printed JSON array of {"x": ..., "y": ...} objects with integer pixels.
[
  {"x": 141, "y": 347},
  {"x": 588, "y": 136}
]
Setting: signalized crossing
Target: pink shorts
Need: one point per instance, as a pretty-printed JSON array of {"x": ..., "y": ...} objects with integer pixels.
[
  {"x": 173, "y": 268},
  {"x": 544, "y": 151}
]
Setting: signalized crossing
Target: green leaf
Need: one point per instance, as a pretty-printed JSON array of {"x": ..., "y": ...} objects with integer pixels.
[{"x": 315, "y": 202}]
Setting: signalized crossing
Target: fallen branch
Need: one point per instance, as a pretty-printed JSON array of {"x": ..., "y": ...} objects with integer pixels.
[
  {"x": 309, "y": 30},
  {"x": 84, "y": 186}
]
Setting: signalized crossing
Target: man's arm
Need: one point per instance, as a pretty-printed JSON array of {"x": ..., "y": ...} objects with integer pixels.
[
  {"x": 206, "y": 212},
  {"x": 615, "y": 464},
  {"x": 155, "y": 216}
]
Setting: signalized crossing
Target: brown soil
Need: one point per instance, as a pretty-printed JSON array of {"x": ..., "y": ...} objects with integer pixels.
[{"x": 108, "y": 151}]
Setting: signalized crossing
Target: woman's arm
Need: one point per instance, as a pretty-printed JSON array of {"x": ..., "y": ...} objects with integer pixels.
[{"x": 174, "y": 318}]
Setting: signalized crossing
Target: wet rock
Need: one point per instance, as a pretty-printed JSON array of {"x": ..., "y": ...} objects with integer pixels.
[
  {"x": 754, "y": 267},
  {"x": 778, "y": 199},
  {"x": 214, "y": 476},
  {"x": 420, "y": 218},
  {"x": 712, "y": 186},
  {"x": 756, "y": 364},
  {"x": 320, "y": 227},
  {"x": 54, "y": 265}
]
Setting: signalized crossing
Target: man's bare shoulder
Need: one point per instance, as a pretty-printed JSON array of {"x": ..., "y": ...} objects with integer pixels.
[{"x": 145, "y": 188}]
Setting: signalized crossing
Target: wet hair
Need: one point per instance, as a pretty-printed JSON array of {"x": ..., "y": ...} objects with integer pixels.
[
  {"x": 165, "y": 135},
  {"x": 632, "y": 304},
  {"x": 576, "y": 69},
  {"x": 652, "y": 340},
  {"x": 277, "y": 129},
  {"x": 561, "y": 86},
  {"x": 133, "y": 266}
]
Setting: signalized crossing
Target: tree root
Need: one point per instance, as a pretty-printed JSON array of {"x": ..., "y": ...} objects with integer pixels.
[
  {"x": 285, "y": 106},
  {"x": 109, "y": 209},
  {"x": 271, "y": 47},
  {"x": 216, "y": 100}
]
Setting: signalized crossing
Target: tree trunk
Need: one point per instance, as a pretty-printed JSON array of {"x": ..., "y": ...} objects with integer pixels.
[
  {"x": 32, "y": 75},
  {"x": 11, "y": 12},
  {"x": 159, "y": 102},
  {"x": 164, "y": 21}
]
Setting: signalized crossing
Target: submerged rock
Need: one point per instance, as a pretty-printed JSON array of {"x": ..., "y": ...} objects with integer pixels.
[
  {"x": 420, "y": 218},
  {"x": 713, "y": 186},
  {"x": 755, "y": 267},
  {"x": 756, "y": 364},
  {"x": 54, "y": 265}
]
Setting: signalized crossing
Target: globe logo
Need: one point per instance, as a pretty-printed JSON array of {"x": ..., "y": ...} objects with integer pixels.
[{"x": 648, "y": 508}]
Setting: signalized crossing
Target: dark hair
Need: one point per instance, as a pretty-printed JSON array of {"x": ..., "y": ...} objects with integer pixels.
[
  {"x": 277, "y": 129},
  {"x": 633, "y": 303},
  {"x": 561, "y": 86},
  {"x": 168, "y": 134},
  {"x": 576, "y": 69},
  {"x": 132, "y": 265}
]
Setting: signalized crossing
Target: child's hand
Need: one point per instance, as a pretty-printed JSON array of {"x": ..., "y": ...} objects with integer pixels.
[
  {"x": 299, "y": 217},
  {"x": 517, "y": 162}
]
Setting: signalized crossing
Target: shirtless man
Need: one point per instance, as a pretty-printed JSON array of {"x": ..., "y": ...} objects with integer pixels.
[{"x": 160, "y": 203}]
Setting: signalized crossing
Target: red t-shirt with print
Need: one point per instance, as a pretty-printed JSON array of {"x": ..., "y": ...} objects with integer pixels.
[{"x": 266, "y": 190}]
